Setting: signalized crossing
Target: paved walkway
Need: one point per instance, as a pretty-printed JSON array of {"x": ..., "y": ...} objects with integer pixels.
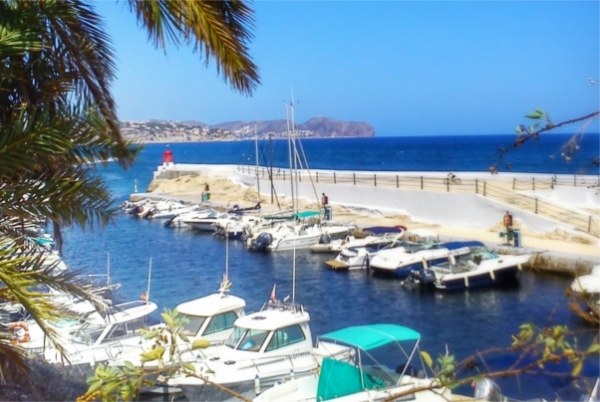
[{"x": 457, "y": 211}]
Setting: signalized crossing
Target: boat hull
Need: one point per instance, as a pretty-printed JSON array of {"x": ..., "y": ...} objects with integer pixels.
[
  {"x": 475, "y": 280},
  {"x": 222, "y": 392},
  {"x": 404, "y": 271}
]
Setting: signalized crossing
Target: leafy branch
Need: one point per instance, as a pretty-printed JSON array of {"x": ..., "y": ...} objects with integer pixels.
[
  {"x": 536, "y": 349},
  {"x": 165, "y": 356},
  {"x": 542, "y": 124}
]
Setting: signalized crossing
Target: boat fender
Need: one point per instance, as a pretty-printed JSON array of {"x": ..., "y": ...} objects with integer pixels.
[
  {"x": 20, "y": 330},
  {"x": 257, "y": 385}
]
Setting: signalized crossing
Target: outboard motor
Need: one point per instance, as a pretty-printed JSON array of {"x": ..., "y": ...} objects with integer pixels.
[
  {"x": 325, "y": 238},
  {"x": 261, "y": 242}
]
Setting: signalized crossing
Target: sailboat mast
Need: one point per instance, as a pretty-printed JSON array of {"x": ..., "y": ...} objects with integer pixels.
[
  {"x": 257, "y": 174},
  {"x": 108, "y": 270},
  {"x": 149, "y": 279},
  {"x": 290, "y": 142},
  {"x": 271, "y": 165},
  {"x": 227, "y": 251},
  {"x": 294, "y": 186}
]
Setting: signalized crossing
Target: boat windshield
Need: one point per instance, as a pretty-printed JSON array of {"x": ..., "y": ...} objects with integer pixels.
[
  {"x": 194, "y": 323},
  {"x": 482, "y": 254},
  {"x": 246, "y": 339},
  {"x": 88, "y": 333}
]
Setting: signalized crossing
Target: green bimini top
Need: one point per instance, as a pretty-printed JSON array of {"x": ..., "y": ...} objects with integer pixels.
[
  {"x": 290, "y": 215},
  {"x": 307, "y": 214},
  {"x": 369, "y": 337}
]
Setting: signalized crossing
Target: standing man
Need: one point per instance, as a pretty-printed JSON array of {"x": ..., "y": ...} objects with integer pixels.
[
  {"x": 508, "y": 221},
  {"x": 326, "y": 208}
]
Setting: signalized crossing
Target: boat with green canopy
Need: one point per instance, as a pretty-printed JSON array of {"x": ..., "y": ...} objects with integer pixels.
[{"x": 364, "y": 363}]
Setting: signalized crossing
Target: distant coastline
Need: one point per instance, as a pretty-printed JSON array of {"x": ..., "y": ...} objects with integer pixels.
[{"x": 162, "y": 131}]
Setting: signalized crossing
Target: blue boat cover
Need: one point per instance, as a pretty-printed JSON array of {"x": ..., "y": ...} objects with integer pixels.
[
  {"x": 369, "y": 337},
  {"x": 453, "y": 245},
  {"x": 377, "y": 230}
]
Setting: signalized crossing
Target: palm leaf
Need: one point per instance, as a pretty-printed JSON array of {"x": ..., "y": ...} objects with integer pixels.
[{"x": 219, "y": 29}]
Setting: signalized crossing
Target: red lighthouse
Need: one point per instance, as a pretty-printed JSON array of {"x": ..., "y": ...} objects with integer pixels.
[{"x": 167, "y": 157}]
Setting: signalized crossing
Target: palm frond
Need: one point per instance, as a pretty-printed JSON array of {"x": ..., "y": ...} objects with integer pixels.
[{"x": 219, "y": 29}]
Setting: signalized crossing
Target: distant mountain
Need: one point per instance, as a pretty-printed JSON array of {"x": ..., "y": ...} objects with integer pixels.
[{"x": 195, "y": 131}]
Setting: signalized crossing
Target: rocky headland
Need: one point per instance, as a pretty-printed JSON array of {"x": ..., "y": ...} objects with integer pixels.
[{"x": 160, "y": 131}]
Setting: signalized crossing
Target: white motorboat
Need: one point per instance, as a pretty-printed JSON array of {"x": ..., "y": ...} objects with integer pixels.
[
  {"x": 34, "y": 338},
  {"x": 170, "y": 210},
  {"x": 143, "y": 208},
  {"x": 28, "y": 334},
  {"x": 236, "y": 226},
  {"x": 584, "y": 296},
  {"x": 182, "y": 220},
  {"x": 589, "y": 283},
  {"x": 205, "y": 220},
  {"x": 409, "y": 256},
  {"x": 263, "y": 348},
  {"x": 134, "y": 207},
  {"x": 358, "y": 237},
  {"x": 292, "y": 235},
  {"x": 364, "y": 363},
  {"x": 209, "y": 318},
  {"x": 102, "y": 337},
  {"x": 356, "y": 253},
  {"x": 480, "y": 267}
]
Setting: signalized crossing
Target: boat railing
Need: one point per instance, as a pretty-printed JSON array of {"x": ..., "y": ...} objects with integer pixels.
[{"x": 283, "y": 305}]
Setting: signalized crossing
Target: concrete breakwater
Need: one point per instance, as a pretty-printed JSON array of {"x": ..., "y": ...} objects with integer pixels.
[{"x": 555, "y": 246}]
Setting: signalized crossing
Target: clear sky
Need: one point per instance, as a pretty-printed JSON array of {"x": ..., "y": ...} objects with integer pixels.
[{"x": 406, "y": 68}]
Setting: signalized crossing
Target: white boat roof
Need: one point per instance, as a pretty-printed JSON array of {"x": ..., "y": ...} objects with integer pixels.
[
  {"x": 586, "y": 284},
  {"x": 132, "y": 310},
  {"x": 211, "y": 305},
  {"x": 273, "y": 318}
]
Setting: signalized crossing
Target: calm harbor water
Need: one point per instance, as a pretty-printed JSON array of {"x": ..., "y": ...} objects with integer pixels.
[{"x": 186, "y": 265}]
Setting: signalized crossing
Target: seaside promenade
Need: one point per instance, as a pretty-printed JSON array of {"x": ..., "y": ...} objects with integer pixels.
[{"x": 556, "y": 215}]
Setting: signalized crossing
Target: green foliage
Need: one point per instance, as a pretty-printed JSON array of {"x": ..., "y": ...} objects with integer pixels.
[
  {"x": 58, "y": 122},
  {"x": 219, "y": 29},
  {"x": 542, "y": 124},
  {"x": 113, "y": 384},
  {"x": 537, "y": 114},
  {"x": 546, "y": 345},
  {"x": 160, "y": 359}
]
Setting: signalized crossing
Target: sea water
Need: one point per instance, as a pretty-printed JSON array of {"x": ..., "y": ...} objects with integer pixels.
[{"x": 183, "y": 265}]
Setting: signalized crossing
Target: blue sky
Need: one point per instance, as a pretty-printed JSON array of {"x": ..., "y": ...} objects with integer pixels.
[{"x": 406, "y": 68}]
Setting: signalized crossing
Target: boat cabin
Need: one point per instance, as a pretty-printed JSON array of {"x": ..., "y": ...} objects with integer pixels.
[
  {"x": 276, "y": 326},
  {"x": 123, "y": 321},
  {"x": 211, "y": 317}
]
